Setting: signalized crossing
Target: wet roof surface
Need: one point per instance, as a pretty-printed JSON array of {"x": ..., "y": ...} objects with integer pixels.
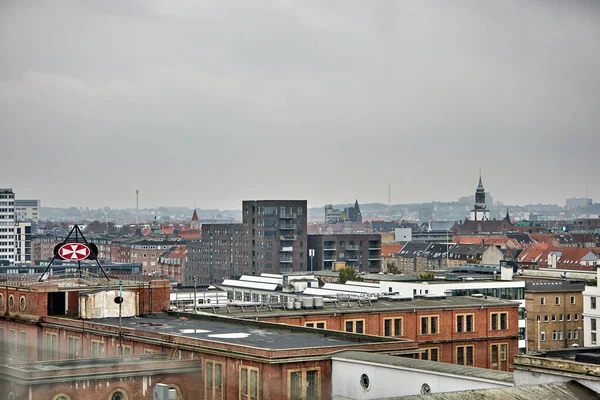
[{"x": 258, "y": 335}]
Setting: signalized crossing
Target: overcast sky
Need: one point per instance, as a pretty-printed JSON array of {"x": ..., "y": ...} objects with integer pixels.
[{"x": 208, "y": 103}]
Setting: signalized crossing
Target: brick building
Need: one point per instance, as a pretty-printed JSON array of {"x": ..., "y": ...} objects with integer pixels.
[
  {"x": 222, "y": 252},
  {"x": 143, "y": 251},
  {"x": 475, "y": 331},
  {"x": 276, "y": 234},
  {"x": 172, "y": 262},
  {"x": 42, "y": 248},
  {"x": 359, "y": 251},
  {"x": 54, "y": 348},
  {"x": 554, "y": 314}
]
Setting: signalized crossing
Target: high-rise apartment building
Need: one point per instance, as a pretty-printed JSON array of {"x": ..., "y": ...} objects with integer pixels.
[
  {"x": 7, "y": 226},
  {"x": 27, "y": 210},
  {"x": 23, "y": 243},
  {"x": 276, "y": 235}
]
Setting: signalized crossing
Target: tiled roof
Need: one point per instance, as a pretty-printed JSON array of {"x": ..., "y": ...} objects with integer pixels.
[{"x": 387, "y": 249}]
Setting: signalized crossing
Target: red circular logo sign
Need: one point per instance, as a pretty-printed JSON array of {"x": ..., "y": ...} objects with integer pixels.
[{"x": 74, "y": 251}]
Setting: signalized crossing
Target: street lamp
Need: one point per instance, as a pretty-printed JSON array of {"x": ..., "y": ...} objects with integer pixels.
[{"x": 311, "y": 254}]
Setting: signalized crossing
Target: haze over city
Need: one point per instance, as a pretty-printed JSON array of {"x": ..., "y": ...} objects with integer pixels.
[{"x": 209, "y": 103}]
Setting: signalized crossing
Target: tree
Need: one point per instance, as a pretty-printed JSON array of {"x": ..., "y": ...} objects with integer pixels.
[
  {"x": 392, "y": 269},
  {"x": 427, "y": 276},
  {"x": 125, "y": 230},
  {"x": 348, "y": 274}
]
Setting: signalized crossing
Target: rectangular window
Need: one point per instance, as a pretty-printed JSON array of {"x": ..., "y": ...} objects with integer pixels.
[
  {"x": 392, "y": 327},
  {"x": 429, "y": 325},
  {"x": 557, "y": 301},
  {"x": 593, "y": 337},
  {"x": 593, "y": 323},
  {"x": 248, "y": 383},
  {"x": 22, "y": 345},
  {"x": 303, "y": 384},
  {"x": 503, "y": 352},
  {"x": 213, "y": 379},
  {"x": 464, "y": 355},
  {"x": 73, "y": 347},
  {"x": 316, "y": 324},
  {"x": 51, "y": 346},
  {"x": 97, "y": 348},
  {"x": 499, "y": 321},
  {"x": 593, "y": 303},
  {"x": 431, "y": 354},
  {"x": 542, "y": 301},
  {"x": 464, "y": 323},
  {"x": 543, "y": 336},
  {"x": 124, "y": 350},
  {"x": 355, "y": 325},
  {"x": 572, "y": 299}
]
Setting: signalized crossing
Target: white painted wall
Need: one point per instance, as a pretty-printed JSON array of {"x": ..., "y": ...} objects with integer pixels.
[
  {"x": 389, "y": 381},
  {"x": 102, "y": 304}
]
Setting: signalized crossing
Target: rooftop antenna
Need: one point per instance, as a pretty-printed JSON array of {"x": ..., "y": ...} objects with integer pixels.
[{"x": 137, "y": 206}]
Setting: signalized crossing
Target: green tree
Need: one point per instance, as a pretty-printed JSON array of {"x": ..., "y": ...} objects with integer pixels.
[
  {"x": 427, "y": 276},
  {"x": 392, "y": 269},
  {"x": 348, "y": 274}
]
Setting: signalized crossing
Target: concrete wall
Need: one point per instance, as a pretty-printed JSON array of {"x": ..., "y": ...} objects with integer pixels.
[
  {"x": 102, "y": 305},
  {"x": 389, "y": 381}
]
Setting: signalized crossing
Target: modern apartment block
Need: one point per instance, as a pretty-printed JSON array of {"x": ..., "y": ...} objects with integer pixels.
[
  {"x": 7, "y": 226},
  {"x": 359, "y": 251},
  {"x": 27, "y": 210},
  {"x": 23, "y": 243},
  {"x": 222, "y": 252},
  {"x": 554, "y": 314},
  {"x": 276, "y": 235}
]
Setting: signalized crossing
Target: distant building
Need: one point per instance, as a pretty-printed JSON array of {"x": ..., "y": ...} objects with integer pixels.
[
  {"x": 349, "y": 214},
  {"x": 574, "y": 202},
  {"x": 7, "y": 226},
  {"x": 480, "y": 211},
  {"x": 359, "y": 251},
  {"x": 276, "y": 235},
  {"x": 554, "y": 314},
  {"x": 28, "y": 210},
  {"x": 23, "y": 243}
]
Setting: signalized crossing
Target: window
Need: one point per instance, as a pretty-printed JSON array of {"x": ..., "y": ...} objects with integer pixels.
[
  {"x": 593, "y": 303},
  {"x": 575, "y": 335},
  {"x": 557, "y": 301},
  {"x": 214, "y": 379},
  {"x": 429, "y": 325},
  {"x": 464, "y": 355},
  {"x": 22, "y": 345},
  {"x": 562, "y": 317},
  {"x": 431, "y": 354},
  {"x": 464, "y": 323},
  {"x": 392, "y": 327},
  {"x": 299, "y": 211},
  {"x": 572, "y": 299},
  {"x": 539, "y": 318},
  {"x": 355, "y": 325},
  {"x": 316, "y": 324},
  {"x": 554, "y": 335},
  {"x": 543, "y": 336},
  {"x": 561, "y": 335},
  {"x": 542, "y": 301},
  {"x": 118, "y": 395},
  {"x": 73, "y": 347},
  {"x": 97, "y": 348},
  {"x": 593, "y": 337},
  {"x": 303, "y": 384},
  {"x": 593, "y": 324},
  {"x": 61, "y": 396},
  {"x": 125, "y": 350},
  {"x": 576, "y": 317},
  {"x": 503, "y": 352},
  {"x": 248, "y": 383},
  {"x": 499, "y": 321},
  {"x": 51, "y": 346},
  {"x": 546, "y": 318},
  {"x": 553, "y": 317},
  {"x": 569, "y": 335}
]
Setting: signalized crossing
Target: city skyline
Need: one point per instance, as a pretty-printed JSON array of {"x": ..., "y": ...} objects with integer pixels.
[{"x": 213, "y": 104}]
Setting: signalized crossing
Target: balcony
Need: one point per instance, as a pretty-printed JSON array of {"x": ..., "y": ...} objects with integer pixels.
[
  {"x": 352, "y": 247},
  {"x": 287, "y": 249},
  {"x": 329, "y": 258},
  {"x": 287, "y": 227},
  {"x": 374, "y": 258},
  {"x": 287, "y": 216},
  {"x": 287, "y": 237},
  {"x": 286, "y": 259}
]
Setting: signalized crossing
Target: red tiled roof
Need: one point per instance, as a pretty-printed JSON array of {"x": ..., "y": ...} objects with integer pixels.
[
  {"x": 195, "y": 216},
  {"x": 387, "y": 249}
]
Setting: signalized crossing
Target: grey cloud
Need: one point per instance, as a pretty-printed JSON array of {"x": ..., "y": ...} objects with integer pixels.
[{"x": 212, "y": 102}]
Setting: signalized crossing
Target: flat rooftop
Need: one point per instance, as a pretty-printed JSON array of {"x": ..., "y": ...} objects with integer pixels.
[
  {"x": 238, "y": 332},
  {"x": 354, "y": 306},
  {"x": 434, "y": 366}
]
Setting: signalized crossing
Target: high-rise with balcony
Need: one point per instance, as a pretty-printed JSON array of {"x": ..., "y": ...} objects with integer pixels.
[
  {"x": 7, "y": 226},
  {"x": 276, "y": 235}
]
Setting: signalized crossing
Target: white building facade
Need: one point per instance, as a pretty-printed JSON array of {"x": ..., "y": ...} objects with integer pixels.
[
  {"x": 591, "y": 315},
  {"x": 7, "y": 226},
  {"x": 27, "y": 210}
]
